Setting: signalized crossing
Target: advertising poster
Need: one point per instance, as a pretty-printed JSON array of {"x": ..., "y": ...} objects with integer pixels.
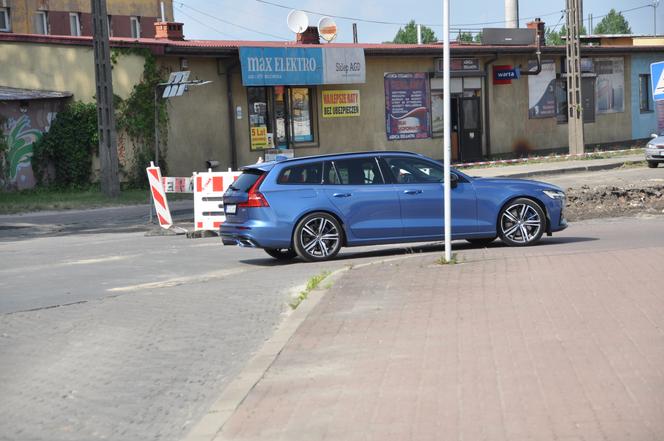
[
  {"x": 407, "y": 113},
  {"x": 259, "y": 137},
  {"x": 610, "y": 86},
  {"x": 542, "y": 90},
  {"x": 341, "y": 103}
]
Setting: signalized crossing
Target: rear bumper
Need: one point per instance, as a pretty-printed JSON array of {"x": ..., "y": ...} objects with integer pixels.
[{"x": 258, "y": 235}]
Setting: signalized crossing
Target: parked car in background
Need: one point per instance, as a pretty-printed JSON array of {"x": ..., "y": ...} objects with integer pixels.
[
  {"x": 311, "y": 207},
  {"x": 655, "y": 150}
]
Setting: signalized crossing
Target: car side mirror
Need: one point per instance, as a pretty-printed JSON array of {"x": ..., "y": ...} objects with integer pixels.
[
  {"x": 454, "y": 180},
  {"x": 654, "y": 135}
]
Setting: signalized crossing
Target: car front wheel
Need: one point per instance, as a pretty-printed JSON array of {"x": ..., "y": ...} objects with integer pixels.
[
  {"x": 652, "y": 164},
  {"x": 521, "y": 222},
  {"x": 317, "y": 237}
]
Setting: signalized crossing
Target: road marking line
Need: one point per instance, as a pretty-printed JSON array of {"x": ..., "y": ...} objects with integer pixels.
[{"x": 177, "y": 281}]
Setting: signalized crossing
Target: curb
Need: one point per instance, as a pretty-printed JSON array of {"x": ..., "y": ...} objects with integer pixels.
[
  {"x": 560, "y": 171},
  {"x": 209, "y": 427}
]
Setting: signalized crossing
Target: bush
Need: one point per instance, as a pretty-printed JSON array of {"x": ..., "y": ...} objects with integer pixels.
[{"x": 68, "y": 146}]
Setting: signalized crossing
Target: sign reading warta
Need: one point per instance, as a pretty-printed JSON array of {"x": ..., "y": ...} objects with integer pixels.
[
  {"x": 341, "y": 103},
  {"x": 295, "y": 66}
]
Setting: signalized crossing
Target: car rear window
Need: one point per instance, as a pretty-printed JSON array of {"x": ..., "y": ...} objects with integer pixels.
[
  {"x": 246, "y": 180},
  {"x": 311, "y": 173}
]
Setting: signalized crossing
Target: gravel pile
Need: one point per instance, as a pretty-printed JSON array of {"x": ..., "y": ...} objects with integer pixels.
[{"x": 608, "y": 201}]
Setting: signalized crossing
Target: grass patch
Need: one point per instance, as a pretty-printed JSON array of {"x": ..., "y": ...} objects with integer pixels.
[
  {"x": 453, "y": 260},
  {"x": 311, "y": 285},
  {"x": 43, "y": 199}
]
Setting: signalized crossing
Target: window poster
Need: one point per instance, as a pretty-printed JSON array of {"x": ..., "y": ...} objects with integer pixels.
[
  {"x": 407, "y": 112},
  {"x": 542, "y": 90},
  {"x": 610, "y": 89}
]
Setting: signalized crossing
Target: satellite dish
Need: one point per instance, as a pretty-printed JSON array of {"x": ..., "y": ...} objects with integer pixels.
[
  {"x": 297, "y": 21},
  {"x": 327, "y": 29}
]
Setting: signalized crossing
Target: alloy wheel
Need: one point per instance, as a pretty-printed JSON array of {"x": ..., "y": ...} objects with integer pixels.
[
  {"x": 318, "y": 237},
  {"x": 521, "y": 223}
]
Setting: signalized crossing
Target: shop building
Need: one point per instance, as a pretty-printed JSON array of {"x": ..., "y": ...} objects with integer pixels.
[{"x": 327, "y": 98}]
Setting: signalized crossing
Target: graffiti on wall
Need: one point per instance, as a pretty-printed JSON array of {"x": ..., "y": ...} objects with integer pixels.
[
  {"x": 22, "y": 129},
  {"x": 20, "y": 138}
]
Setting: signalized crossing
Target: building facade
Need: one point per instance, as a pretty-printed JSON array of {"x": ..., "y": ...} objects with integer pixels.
[
  {"x": 126, "y": 18},
  {"x": 318, "y": 99}
]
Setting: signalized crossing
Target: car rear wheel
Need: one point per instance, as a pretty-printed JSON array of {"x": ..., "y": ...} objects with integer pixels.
[
  {"x": 481, "y": 242},
  {"x": 317, "y": 237},
  {"x": 521, "y": 222},
  {"x": 281, "y": 253},
  {"x": 652, "y": 164}
]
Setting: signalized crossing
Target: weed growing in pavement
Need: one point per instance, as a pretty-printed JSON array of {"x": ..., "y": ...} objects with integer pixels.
[
  {"x": 453, "y": 261},
  {"x": 311, "y": 285}
]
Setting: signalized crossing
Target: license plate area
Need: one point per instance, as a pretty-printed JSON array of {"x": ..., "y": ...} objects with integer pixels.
[{"x": 230, "y": 208}]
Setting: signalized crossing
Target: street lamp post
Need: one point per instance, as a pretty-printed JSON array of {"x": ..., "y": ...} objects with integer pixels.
[
  {"x": 655, "y": 3},
  {"x": 447, "y": 202}
]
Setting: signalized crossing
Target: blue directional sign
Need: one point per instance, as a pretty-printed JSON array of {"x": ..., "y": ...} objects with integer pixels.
[{"x": 657, "y": 79}]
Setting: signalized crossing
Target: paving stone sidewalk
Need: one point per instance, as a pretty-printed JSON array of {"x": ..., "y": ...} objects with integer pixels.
[{"x": 544, "y": 346}]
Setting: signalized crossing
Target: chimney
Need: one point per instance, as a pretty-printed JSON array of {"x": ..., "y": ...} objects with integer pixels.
[
  {"x": 165, "y": 30},
  {"x": 538, "y": 26},
  {"x": 512, "y": 14},
  {"x": 309, "y": 36}
]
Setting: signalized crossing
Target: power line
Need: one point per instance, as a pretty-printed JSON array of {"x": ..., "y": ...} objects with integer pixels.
[
  {"x": 366, "y": 20},
  {"x": 279, "y": 37},
  {"x": 191, "y": 17}
]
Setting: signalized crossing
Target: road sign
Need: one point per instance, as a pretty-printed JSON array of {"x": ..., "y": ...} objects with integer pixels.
[
  {"x": 657, "y": 78},
  {"x": 177, "y": 84}
]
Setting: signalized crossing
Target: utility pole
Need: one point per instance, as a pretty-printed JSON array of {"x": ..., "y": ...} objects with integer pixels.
[
  {"x": 108, "y": 151},
  {"x": 574, "y": 97},
  {"x": 655, "y": 3}
]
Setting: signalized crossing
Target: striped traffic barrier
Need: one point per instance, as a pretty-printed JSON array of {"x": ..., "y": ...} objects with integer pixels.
[{"x": 159, "y": 197}]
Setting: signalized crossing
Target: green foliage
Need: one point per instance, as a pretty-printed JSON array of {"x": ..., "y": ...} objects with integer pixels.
[
  {"x": 136, "y": 117},
  {"x": 465, "y": 37},
  {"x": 311, "y": 285},
  {"x": 4, "y": 147},
  {"x": 69, "y": 146},
  {"x": 613, "y": 23},
  {"x": 554, "y": 38},
  {"x": 408, "y": 34}
]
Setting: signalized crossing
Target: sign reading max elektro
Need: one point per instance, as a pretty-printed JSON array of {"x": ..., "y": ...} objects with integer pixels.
[{"x": 270, "y": 66}]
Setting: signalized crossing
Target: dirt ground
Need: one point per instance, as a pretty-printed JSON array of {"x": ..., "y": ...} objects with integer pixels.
[{"x": 587, "y": 202}]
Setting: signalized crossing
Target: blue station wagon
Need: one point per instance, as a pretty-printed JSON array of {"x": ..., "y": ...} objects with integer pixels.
[{"x": 311, "y": 207}]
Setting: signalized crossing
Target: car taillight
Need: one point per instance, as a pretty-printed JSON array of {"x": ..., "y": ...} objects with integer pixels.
[{"x": 254, "y": 197}]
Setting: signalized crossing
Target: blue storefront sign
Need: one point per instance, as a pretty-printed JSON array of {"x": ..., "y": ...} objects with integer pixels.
[
  {"x": 298, "y": 66},
  {"x": 507, "y": 74}
]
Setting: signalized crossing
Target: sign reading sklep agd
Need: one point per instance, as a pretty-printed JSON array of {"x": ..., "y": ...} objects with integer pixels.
[{"x": 296, "y": 66}]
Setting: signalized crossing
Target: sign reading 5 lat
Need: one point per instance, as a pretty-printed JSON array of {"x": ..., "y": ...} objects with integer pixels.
[{"x": 296, "y": 66}]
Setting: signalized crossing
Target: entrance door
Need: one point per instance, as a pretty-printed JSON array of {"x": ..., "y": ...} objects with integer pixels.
[{"x": 470, "y": 128}]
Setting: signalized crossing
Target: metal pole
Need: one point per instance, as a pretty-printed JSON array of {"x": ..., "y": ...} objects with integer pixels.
[
  {"x": 355, "y": 33},
  {"x": 156, "y": 125},
  {"x": 655, "y": 3},
  {"x": 447, "y": 196},
  {"x": 574, "y": 97}
]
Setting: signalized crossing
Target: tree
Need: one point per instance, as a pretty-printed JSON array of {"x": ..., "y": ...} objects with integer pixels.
[
  {"x": 408, "y": 34},
  {"x": 613, "y": 23},
  {"x": 554, "y": 38},
  {"x": 465, "y": 37}
]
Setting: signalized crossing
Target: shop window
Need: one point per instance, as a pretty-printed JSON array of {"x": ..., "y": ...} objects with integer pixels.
[
  {"x": 437, "y": 114},
  {"x": 645, "y": 101},
  {"x": 5, "y": 24},
  {"x": 135, "y": 27},
  {"x": 74, "y": 24},
  {"x": 40, "y": 20},
  {"x": 587, "y": 99},
  {"x": 281, "y": 116}
]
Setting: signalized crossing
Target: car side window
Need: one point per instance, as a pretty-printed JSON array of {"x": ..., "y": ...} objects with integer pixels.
[
  {"x": 357, "y": 171},
  {"x": 311, "y": 173},
  {"x": 413, "y": 170}
]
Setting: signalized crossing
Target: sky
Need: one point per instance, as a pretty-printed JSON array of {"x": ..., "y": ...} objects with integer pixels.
[{"x": 261, "y": 21}]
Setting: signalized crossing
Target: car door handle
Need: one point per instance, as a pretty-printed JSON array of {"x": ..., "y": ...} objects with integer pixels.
[
  {"x": 342, "y": 195},
  {"x": 412, "y": 191}
]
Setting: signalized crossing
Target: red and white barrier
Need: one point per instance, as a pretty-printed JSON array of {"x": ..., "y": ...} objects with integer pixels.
[
  {"x": 209, "y": 188},
  {"x": 178, "y": 184},
  {"x": 540, "y": 158},
  {"x": 159, "y": 197}
]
